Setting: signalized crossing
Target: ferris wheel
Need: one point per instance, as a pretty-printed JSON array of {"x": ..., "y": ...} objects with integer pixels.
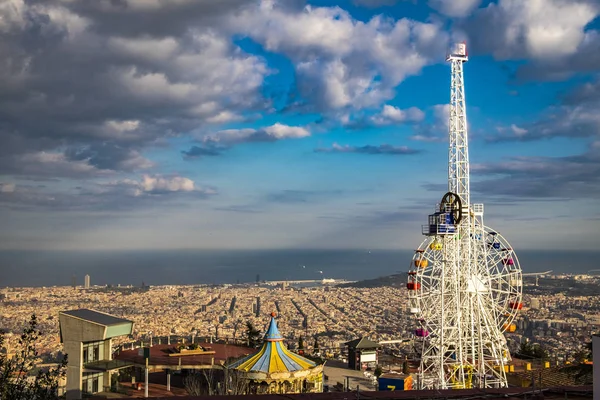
[
  {"x": 465, "y": 282},
  {"x": 464, "y": 286},
  {"x": 499, "y": 273}
]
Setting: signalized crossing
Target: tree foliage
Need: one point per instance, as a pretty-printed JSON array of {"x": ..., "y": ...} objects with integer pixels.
[
  {"x": 405, "y": 369},
  {"x": 582, "y": 372},
  {"x": 215, "y": 382},
  {"x": 252, "y": 334},
  {"x": 378, "y": 371},
  {"x": 527, "y": 350},
  {"x": 18, "y": 377},
  {"x": 300, "y": 343}
]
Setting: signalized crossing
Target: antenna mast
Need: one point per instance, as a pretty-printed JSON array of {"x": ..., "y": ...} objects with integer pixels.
[{"x": 458, "y": 152}]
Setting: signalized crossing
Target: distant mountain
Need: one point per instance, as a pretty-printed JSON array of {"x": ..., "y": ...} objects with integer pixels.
[{"x": 396, "y": 280}]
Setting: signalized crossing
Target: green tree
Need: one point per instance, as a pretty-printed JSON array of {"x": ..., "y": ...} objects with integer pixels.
[
  {"x": 527, "y": 350},
  {"x": 316, "y": 345},
  {"x": 582, "y": 372},
  {"x": 378, "y": 371},
  {"x": 252, "y": 334},
  {"x": 300, "y": 343},
  {"x": 405, "y": 369},
  {"x": 16, "y": 374}
]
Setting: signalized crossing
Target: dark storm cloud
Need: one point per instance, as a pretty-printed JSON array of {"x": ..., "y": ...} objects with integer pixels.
[
  {"x": 576, "y": 116},
  {"x": 369, "y": 149},
  {"x": 244, "y": 209},
  {"x": 196, "y": 152},
  {"x": 108, "y": 156},
  {"x": 124, "y": 195},
  {"x": 375, "y": 3},
  {"x": 571, "y": 177},
  {"x": 108, "y": 83},
  {"x": 585, "y": 60},
  {"x": 301, "y": 196},
  {"x": 586, "y": 93},
  {"x": 157, "y": 18}
]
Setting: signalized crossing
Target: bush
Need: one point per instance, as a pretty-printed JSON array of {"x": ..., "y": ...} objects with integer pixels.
[{"x": 16, "y": 373}]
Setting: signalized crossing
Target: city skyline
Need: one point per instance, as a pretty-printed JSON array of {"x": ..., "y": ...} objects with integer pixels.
[{"x": 272, "y": 124}]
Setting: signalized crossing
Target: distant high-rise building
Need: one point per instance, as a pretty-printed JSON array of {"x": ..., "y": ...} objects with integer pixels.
[
  {"x": 74, "y": 281},
  {"x": 86, "y": 282},
  {"x": 257, "y": 278}
]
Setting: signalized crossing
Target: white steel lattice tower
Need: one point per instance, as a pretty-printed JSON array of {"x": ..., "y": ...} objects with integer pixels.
[{"x": 465, "y": 282}]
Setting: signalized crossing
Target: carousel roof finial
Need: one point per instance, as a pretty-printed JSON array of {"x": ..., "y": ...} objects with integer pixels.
[{"x": 272, "y": 332}]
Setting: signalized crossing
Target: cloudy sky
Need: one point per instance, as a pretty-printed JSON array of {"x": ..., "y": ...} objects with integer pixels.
[{"x": 151, "y": 124}]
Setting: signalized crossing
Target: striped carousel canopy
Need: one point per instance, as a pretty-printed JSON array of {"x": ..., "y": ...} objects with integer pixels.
[{"x": 273, "y": 356}]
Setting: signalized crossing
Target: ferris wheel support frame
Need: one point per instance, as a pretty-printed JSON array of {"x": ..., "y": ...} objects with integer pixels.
[{"x": 465, "y": 283}]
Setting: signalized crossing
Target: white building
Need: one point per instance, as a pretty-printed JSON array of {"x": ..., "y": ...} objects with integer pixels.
[
  {"x": 87, "y": 340},
  {"x": 86, "y": 283}
]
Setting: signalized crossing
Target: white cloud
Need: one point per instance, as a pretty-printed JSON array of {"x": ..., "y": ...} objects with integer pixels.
[
  {"x": 518, "y": 131},
  {"x": 159, "y": 184},
  {"x": 390, "y": 114},
  {"x": 7, "y": 187},
  {"x": 274, "y": 132},
  {"x": 54, "y": 164},
  {"x": 436, "y": 131},
  {"x": 152, "y": 49},
  {"x": 223, "y": 117},
  {"x": 454, "y": 8},
  {"x": 122, "y": 126},
  {"x": 540, "y": 29},
  {"x": 281, "y": 131},
  {"x": 154, "y": 185},
  {"x": 342, "y": 62}
]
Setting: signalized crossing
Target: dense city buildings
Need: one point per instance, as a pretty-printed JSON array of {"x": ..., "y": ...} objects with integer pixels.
[{"x": 554, "y": 316}]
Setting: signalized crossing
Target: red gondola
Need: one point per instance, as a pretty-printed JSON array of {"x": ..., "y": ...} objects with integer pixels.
[{"x": 516, "y": 305}]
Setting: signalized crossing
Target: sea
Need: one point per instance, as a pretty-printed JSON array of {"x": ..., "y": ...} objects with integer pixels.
[{"x": 190, "y": 267}]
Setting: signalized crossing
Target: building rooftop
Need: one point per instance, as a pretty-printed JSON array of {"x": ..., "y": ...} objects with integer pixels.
[
  {"x": 96, "y": 317},
  {"x": 165, "y": 355},
  {"x": 362, "y": 343}
]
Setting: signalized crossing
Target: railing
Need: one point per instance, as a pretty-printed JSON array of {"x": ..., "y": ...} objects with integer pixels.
[{"x": 438, "y": 229}]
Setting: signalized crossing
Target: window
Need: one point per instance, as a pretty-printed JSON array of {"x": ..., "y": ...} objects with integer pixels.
[
  {"x": 96, "y": 353},
  {"x": 85, "y": 355},
  {"x": 95, "y": 385}
]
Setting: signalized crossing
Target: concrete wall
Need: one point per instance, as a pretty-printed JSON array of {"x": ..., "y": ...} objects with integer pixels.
[
  {"x": 74, "y": 350},
  {"x": 596, "y": 350},
  {"x": 75, "y": 329},
  {"x": 74, "y": 332}
]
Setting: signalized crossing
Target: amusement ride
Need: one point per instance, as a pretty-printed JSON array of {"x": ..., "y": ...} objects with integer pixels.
[{"x": 465, "y": 282}]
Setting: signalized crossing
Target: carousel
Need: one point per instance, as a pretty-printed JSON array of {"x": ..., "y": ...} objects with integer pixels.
[{"x": 273, "y": 369}]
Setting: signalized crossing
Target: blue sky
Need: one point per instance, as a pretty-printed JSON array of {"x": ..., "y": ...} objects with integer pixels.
[{"x": 139, "y": 124}]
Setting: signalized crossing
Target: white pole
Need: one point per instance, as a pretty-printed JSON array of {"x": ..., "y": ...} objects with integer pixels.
[
  {"x": 169, "y": 381},
  {"x": 146, "y": 380}
]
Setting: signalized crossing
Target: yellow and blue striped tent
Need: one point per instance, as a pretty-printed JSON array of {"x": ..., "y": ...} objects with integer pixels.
[{"x": 273, "y": 356}]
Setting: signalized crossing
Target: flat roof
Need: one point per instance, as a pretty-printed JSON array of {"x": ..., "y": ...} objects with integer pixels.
[
  {"x": 159, "y": 355},
  {"x": 96, "y": 317}
]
